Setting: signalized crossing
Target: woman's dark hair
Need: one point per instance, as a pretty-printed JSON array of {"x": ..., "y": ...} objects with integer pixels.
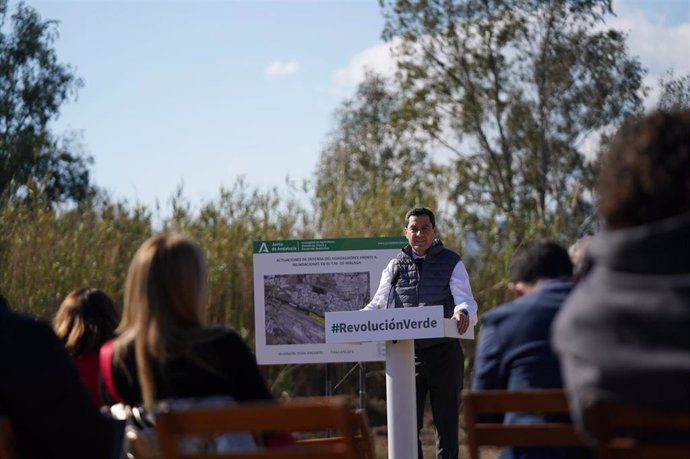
[{"x": 85, "y": 320}]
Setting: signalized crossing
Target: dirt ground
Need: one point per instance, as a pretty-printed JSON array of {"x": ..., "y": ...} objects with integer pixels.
[{"x": 428, "y": 441}]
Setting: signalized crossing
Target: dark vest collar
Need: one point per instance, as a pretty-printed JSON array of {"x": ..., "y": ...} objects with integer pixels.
[{"x": 435, "y": 249}]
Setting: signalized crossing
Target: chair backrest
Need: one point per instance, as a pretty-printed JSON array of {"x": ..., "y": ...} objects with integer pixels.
[
  {"x": 317, "y": 414},
  {"x": 6, "y": 439},
  {"x": 550, "y": 401},
  {"x": 363, "y": 440},
  {"x": 625, "y": 431}
]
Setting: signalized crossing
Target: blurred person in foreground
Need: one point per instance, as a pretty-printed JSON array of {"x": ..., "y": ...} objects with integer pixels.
[
  {"x": 514, "y": 352},
  {"x": 50, "y": 411},
  {"x": 84, "y": 321},
  {"x": 427, "y": 273},
  {"x": 623, "y": 336}
]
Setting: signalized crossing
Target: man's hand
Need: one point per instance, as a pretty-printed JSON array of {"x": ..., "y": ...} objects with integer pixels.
[{"x": 463, "y": 321}]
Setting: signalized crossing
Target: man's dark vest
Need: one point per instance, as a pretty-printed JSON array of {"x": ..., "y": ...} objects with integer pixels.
[{"x": 431, "y": 288}]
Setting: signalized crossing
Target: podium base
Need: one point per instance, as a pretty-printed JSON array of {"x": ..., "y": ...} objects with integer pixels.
[{"x": 401, "y": 399}]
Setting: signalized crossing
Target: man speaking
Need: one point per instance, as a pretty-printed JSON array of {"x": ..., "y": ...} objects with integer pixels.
[{"x": 425, "y": 273}]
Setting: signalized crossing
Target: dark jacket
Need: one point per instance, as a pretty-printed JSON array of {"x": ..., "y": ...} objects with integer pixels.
[
  {"x": 514, "y": 350},
  {"x": 515, "y": 353},
  {"x": 51, "y": 413},
  {"x": 624, "y": 334},
  {"x": 219, "y": 363}
]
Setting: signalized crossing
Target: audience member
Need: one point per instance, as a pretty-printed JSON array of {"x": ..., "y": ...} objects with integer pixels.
[
  {"x": 514, "y": 351},
  {"x": 163, "y": 350},
  {"x": 85, "y": 320},
  {"x": 623, "y": 334},
  {"x": 51, "y": 414}
]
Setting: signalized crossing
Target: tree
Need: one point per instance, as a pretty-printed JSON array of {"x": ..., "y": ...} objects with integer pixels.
[
  {"x": 521, "y": 92},
  {"x": 516, "y": 89},
  {"x": 33, "y": 86},
  {"x": 675, "y": 92},
  {"x": 371, "y": 172}
]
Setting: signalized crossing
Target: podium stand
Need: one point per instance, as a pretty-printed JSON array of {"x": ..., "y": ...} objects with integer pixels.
[{"x": 399, "y": 327}]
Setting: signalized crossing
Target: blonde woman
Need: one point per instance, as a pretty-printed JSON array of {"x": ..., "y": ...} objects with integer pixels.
[
  {"x": 84, "y": 321},
  {"x": 163, "y": 350}
]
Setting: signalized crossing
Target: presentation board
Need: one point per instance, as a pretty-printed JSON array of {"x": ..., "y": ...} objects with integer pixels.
[{"x": 297, "y": 281}]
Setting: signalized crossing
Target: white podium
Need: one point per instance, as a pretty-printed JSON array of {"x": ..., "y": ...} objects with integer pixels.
[{"x": 399, "y": 327}]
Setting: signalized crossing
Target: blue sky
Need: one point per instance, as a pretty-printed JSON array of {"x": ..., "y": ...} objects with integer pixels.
[{"x": 198, "y": 93}]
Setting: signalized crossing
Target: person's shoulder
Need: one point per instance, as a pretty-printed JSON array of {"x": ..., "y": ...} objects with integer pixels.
[
  {"x": 525, "y": 305},
  {"x": 590, "y": 293},
  {"x": 219, "y": 334},
  {"x": 499, "y": 314},
  {"x": 440, "y": 250},
  {"x": 24, "y": 326},
  {"x": 452, "y": 253},
  {"x": 404, "y": 254},
  {"x": 584, "y": 311}
]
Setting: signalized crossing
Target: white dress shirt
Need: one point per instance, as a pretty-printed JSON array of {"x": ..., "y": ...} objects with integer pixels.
[{"x": 459, "y": 288}]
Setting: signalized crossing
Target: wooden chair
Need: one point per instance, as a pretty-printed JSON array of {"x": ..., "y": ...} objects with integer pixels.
[
  {"x": 630, "y": 432},
  {"x": 363, "y": 440},
  {"x": 298, "y": 415},
  {"x": 517, "y": 435},
  {"x": 6, "y": 439}
]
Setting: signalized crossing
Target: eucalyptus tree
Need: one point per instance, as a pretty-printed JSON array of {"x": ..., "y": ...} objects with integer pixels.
[
  {"x": 33, "y": 86},
  {"x": 518, "y": 90},
  {"x": 371, "y": 171},
  {"x": 675, "y": 91}
]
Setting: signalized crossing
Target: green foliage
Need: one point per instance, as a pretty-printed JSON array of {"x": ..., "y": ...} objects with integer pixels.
[
  {"x": 33, "y": 86},
  {"x": 371, "y": 171},
  {"x": 513, "y": 88},
  {"x": 518, "y": 91},
  {"x": 46, "y": 253},
  {"x": 225, "y": 230},
  {"x": 675, "y": 92}
]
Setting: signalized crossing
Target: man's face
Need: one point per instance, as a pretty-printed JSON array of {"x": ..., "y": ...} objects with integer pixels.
[{"x": 420, "y": 234}]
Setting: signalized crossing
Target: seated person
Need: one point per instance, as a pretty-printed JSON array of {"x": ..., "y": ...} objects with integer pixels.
[
  {"x": 163, "y": 350},
  {"x": 84, "y": 321},
  {"x": 514, "y": 350},
  {"x": 51, "y": 414},
  {"x": 623, "y": 336}
]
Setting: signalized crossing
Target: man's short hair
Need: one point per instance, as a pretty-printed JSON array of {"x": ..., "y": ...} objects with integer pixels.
[
  {"x": 540, "y": 259},
  {"x": 645, "y": 174},
  {"x": 418, "y": 211}
]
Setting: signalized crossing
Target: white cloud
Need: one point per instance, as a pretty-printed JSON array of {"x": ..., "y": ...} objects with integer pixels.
[
  {"x": 659, "y": 46},
  {"x": 280, "y": 68},
  {"x": 376, "y": 58}
]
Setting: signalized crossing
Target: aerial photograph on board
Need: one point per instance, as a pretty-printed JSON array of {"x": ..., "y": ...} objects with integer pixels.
[{"x": 295, "y": 304}]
